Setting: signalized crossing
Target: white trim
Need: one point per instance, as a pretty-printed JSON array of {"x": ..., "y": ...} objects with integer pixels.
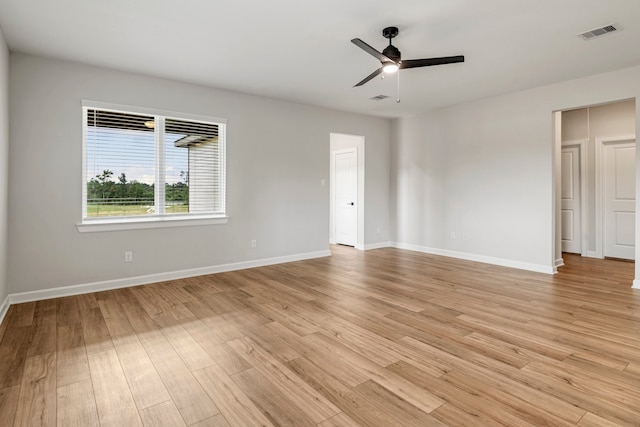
[
  {"x": 159, "y": 192},
  {"x": 559, "y": 262},
  {"x": 158, "y": 277},
  {"x": 636, "y": 284},
  {"x": 4, "y": 307},
  {"x": 360, "y": 155},
  {"x": 84, "y": 161},
  {"x": 592, "y": 254},
  {"x": 151, "y": 111},
  {"x": 539, "y": 268},
  {"x": 222, "y": 171},
  {"x": 132, "y": 223},
  {"x": 556, "y": 188},
  {"x": 599, "y": 186},
  {"x": 379, "y": 245},
  {"x": 584, "y": 232}
]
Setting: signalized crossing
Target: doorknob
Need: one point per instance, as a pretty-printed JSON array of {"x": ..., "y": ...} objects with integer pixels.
[{"x": 350, "y": 203}]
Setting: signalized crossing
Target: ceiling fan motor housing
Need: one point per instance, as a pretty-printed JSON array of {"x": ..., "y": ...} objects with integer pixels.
[{"x": 392, "y": 53}]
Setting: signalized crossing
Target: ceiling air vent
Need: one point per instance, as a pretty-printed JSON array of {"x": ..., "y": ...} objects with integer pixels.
[
  {"x": 596, "y": 32},
  {"x": 379, "y": 97}
]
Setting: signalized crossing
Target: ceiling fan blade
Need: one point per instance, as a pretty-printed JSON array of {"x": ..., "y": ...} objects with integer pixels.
[
  {"x": 369, "y": 77},
  {"x": 414, "y": 63},
  {"x": 371, "y": 51}
]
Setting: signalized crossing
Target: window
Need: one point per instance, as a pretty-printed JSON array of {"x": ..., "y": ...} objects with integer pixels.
[{"x": 141, "y": 167}]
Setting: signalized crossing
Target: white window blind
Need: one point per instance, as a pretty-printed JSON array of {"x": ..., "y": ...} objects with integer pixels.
[{"x": 151, "y": 165}]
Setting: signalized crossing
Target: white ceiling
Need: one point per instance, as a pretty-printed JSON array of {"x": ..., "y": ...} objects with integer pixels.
[{"x": 301, "y": 51}]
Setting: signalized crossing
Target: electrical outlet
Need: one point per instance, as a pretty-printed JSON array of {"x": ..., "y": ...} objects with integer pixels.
[
  {"x": 128, "y": 256},
  {"x": 253, "y": 244},
  {"x": 323, "y": 182},
  {"x": 453, "y": 235}
]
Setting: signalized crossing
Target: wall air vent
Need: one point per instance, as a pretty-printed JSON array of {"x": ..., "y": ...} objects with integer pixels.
[
  {"x": 379, "y": 97},
  {"x": 597, "y": 32}
]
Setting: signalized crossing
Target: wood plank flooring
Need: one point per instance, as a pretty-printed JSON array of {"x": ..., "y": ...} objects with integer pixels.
[{"x": 378, "y": 338}]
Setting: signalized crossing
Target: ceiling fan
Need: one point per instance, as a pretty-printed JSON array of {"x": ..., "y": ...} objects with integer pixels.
[{"x": 390, "y": 58}]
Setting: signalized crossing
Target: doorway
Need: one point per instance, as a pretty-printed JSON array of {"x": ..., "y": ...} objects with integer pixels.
[
  {"x": 596, "y": 169},
  {"x": 346, "y": 220}
]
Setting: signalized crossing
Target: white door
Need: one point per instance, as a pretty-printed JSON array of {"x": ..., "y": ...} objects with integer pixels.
[
  {"x": 619, "y": 197},
  {"x": 346, "y": 194},
  {"x": 570, "y": 200}
]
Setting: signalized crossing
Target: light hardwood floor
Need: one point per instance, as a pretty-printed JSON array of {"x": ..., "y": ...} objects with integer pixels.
[{"x": 379, "y": 338}]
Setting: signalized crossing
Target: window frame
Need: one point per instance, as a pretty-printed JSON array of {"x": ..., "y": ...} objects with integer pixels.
[{"x": 114, "y": 223}]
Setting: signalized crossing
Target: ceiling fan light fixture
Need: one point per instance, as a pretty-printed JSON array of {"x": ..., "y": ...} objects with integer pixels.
[
  {"x": 391, "y": 60},
  {"x": 390, "y": 67}
]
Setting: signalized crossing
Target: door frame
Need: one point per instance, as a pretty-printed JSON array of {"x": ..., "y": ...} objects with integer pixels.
[
  {"x": 599, "y": 189},
  {"x": 584, "y": 234},
  {"x": 341, "y": 141}
]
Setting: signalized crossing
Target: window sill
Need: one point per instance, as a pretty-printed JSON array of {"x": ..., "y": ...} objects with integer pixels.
[{"x": 132, "y": 223}]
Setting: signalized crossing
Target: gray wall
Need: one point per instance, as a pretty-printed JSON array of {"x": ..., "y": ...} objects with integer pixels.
[
  {"x": 277, "y": 154},
  {"x": 418, "y": 180},
  {"x": 485, "y": 170},
  {"x": 4, "y": 164}
]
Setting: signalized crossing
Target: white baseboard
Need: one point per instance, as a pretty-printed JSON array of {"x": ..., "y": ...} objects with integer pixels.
[
  {"x": 592, "y": 254},
  {"x": 153, "y": 278},
  {"x": 4, "y": 308},
  {"x": 371, "y": 246},
  {"x": 559, "y": 262},
  {"x": 377, "y": 245},
  {"x": 636, "y": 284},
  {"x": 539, "y": 268}
]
